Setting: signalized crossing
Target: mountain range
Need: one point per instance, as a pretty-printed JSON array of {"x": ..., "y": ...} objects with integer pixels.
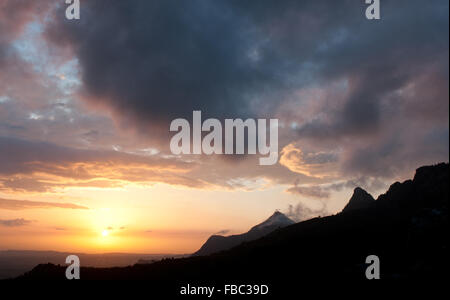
[{"x": 406, "y": 227}]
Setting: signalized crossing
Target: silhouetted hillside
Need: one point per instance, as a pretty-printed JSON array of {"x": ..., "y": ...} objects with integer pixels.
[
  {"x": 15, "y": 262},
  {"x": 218, "y": 243},
  {"x": 407, "y": 228}
]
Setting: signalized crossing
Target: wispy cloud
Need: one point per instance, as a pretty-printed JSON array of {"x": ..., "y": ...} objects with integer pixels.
[
  {"x": 301, "y": 212},
  {"x": 223, "y": 232},
  {"x": 26, "y": 204}
]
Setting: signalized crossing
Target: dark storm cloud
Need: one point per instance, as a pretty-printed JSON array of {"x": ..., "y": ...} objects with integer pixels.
[
  {"x": 152, "y": 61},
  {"x": 156, "y": 60},
  {"x": 381, "y": 58},
  {"x": 397, "y": 152}
]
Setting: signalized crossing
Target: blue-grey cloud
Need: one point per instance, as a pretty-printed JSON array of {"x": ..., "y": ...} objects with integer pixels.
[{"x": 14, "y": 222}]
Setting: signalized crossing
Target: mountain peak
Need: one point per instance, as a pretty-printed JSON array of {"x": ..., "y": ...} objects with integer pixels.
[
  {"x": 277, "y": 219},
  {"x": 218, "y": 243},
  {"x": 360, "y": 199}
]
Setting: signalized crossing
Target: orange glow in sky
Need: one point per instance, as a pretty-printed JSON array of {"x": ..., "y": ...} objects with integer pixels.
[{"x": 136, "y": 219}]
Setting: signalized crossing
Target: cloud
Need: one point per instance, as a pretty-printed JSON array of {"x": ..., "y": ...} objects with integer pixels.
[
  {"x": 26, "y": 204},
  {"x": 234, "y": 59},
  {"x": 309, "y": 191},
  {"x": 38, "y": 166},
  {"x": 356, "y": 99},
  {"x": 177, "y": 64},
  {"x": 316, "y": 164},
  {"x": 14, "y": 222},
  {"x": 222, "y": 232},
  {"x": 323, "y": 191},
  {"x": 224, "y": 57},
  {"x": 301, "y": 212},
  {"x": 14, "y": 15}
]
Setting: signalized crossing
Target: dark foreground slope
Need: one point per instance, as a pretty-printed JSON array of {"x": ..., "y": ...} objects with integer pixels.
[{"x": 407, "y": 228}]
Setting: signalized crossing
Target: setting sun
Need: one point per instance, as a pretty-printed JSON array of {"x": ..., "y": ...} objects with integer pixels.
[{"x": 214, "y": 146}]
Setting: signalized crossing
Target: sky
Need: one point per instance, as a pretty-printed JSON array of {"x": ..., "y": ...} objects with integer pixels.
[{"x": 85, "y": 109}]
